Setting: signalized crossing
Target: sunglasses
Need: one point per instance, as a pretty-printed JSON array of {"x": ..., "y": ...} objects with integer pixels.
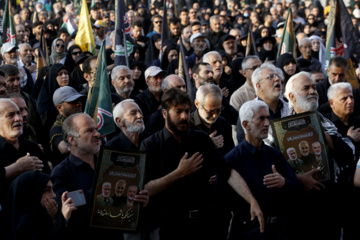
[
  {"x": 75, "y": 53},
  {"x": 158, "y": 22},
  {"x": 60, "y": 45}
]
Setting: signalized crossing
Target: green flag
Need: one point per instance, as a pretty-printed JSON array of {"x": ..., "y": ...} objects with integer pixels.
[
  {"x": 288, "y": 40},
  {"x": 99, "y": 104},
  {"x": 92, "y": 3},
  {"x": 9, "y": 34}
]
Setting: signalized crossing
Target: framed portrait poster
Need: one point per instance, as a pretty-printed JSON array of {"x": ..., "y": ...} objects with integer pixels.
[
  {"x": 119, "y": 177},
  {"x": 302, "y": 141}
]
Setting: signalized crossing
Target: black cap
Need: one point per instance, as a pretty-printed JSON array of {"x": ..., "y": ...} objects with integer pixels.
[
  {"x": 226, "y": 37},
  {"x": 262, "y": 40}
]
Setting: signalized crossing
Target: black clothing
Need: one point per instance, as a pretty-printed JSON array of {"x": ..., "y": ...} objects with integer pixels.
[
  {"x": 56, "y": 136},
  {"x": 192, "y": 192},
  {"x": 9, "y": 155},
  {"x": 152, "y": 53},
  {"x": 26, "y": 218},
  {"x": 156, "y": 123},
  {"x": 165, "y": 60},
  {"x": 322, "y": 88},
  {"x": 284, "y": 59},
  {"x": 214, "y": 38},
  {"x": 303, "y": 64},
  {"x": 69, "y": 61},
  {"x": 28, "y": 88},
  {"x": 253, "y": 164},
  {"x": 147, "y": 103},
  {"x": 237, "y": 79},
  {"x": 122, "y": 142},
  {"x": 140, "y": 83},
  {"x": 39, "y": 82},
  {"x": 45, "y": 104},
  {"x": 221, "y": 126}
]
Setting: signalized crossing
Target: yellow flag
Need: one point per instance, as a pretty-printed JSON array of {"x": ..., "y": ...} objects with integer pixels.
[{"x": 85, "y": 37}]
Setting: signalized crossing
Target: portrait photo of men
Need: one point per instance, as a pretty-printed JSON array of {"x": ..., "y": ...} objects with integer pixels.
[
  {"x": 306, "y": 156},
  {"x": 104, "y": 198},
  {"x": 293, "y": 160}
]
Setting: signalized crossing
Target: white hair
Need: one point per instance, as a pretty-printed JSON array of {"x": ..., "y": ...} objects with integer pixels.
[
  {"x": 248, "y": 110},
  {"x": 246, "y": 59},
  {"x": 206, "y": 56},
  {"x": 165, "y": 82},
  {"x": 304, "y": 40},
  {"x": 290, "y": 149},
  {"x": 117, "y": 68},
  {"x": 257, "y": 74},
  {"x": 118, "y": 110},
  {"x": 289, "y": 88},
  {"x": 334, "y": 89},
  {"x": 23, "y": 45},
  {"x": 208, "y": 89}
]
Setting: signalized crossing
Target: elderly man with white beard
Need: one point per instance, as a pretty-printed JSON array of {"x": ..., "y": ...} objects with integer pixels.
[
  {"x": 121, "y": 79},
  {"x": 319, "y": 212},
  {"x": 129, "y": 118},
  {"x": 25, "y": 54}
]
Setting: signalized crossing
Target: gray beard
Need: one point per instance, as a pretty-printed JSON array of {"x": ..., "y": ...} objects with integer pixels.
[{"x": 305, "y": 105}]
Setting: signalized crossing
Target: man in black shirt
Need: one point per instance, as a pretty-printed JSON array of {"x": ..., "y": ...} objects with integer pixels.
[{"x": 180, "y": 163}]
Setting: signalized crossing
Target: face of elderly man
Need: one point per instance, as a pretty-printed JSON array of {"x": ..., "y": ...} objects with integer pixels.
[
  {"x": 215, "y": 61},
  {"x": 336, "y": 74},
  {"x": 20, "y": 33},
  {"x": 120, "y": 188},
  {"x": 210, "y": 110},
  {"x": 316, "y": 146},
  {"x": 26, "y": 53},
  {"x": 123, "y": 81},
  {"x": 292, "y": 154},
  {"x": 11, "y": 125},
  {"x": 304, "y": 148},
  {"x": 305, "y": 50},
  {"x": 342, "y": 103},
  {"x": 269, "y": 87},
  {"x": 106, "y": 189},
  {"x": 259, "y": 125},
  {"x": 305, "y": 96},
  {"x": 132, "y": 118}
]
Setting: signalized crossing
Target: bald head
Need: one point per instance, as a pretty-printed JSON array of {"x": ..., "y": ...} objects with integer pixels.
[{"x": 173, "y": 81}]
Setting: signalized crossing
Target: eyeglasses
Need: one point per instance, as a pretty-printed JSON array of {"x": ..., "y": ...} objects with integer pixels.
[
  {"x": 75, "y": 53},
  {"x": 213, "y": 111},
  {"x": 60, "y": 45},
  {"x": 253, "y": 68},
  {"x": 158, "y": 22},
  {"x": 62, "y": 73},
  {"x": 272, "y": 76}
]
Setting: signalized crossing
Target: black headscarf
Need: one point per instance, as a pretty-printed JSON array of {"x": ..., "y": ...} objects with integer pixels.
[
  {"x": 27, "y": 218},
  {"x": 39, "y": 82},
  {"x": 140, "y": 83},
  {"x": 237, "y": 80},
  {"x": 284, "y": 59},
  {"x": 165, "y": 59},
  {"x": 173, "y": 65},
  {"x": 69, "y": 61},
  {"x": 152, "y": 52},
  {"x": 45, "y": 104}
]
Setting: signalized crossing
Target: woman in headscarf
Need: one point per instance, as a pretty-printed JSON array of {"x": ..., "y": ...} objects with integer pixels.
[
  {"x": 138, "y": 72},
  {"x": 287, "y": 63},
  {"x": 153, "y": 50},
  {"x": 57, "y": 51},
  {"x": 268, "y": 49},
  {"x": 32, "y": 208},
  {"x": 58, "y": 76},
  {"x": 318, "y": 50},
  {"x": 39, "y": 81},
  {"x": 77, "y": 75},
  {"x": 73, "y": 52},
  {"x": 237, "y": 79},
  {"x": 171, "y": 52}
]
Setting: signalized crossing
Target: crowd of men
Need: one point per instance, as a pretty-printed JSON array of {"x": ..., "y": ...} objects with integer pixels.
[{"x": 212, "y": 170}]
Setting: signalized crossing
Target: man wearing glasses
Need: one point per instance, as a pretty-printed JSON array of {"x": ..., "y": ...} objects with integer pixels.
[
  {"x": 157, "y": 22},
  {"x": 268, "y": 83},
  {"x": 207, "y": 117}
]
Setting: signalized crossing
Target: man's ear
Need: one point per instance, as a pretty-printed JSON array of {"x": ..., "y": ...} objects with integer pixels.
[
  {"x": 164, "y": 113},
  {"x": 58, "y": 107},
  {"x": 197, "y": 104},
  {"x": 242, "y": 72},
  {"x": 292, "y": 97},
  {"x": 71, "y": 140},
  {"x": 119, "y": 122},
  {"x": 331, "y": 102},
  {"x": 245, "y": 124},
  {"x": 87, "y": 77}
]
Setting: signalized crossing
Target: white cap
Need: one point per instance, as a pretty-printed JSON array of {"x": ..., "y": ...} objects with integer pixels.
[
  {"x": 153, "y": 71},
  {"x": 7, "y": 47},
  {"x": 194, "y": 36}
]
